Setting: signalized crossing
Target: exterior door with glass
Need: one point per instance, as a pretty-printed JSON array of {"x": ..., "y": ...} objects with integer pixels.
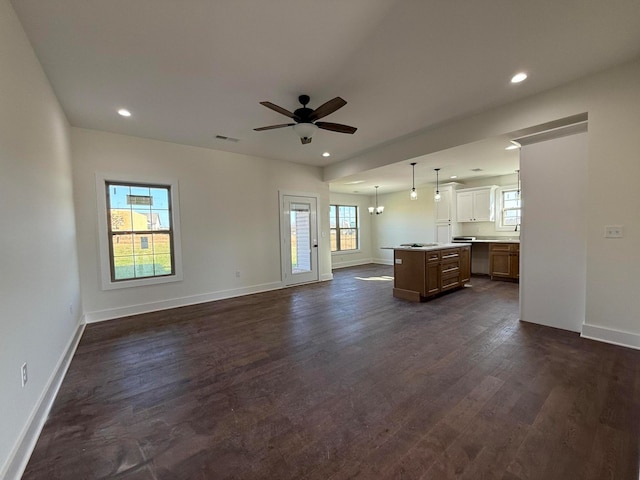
[{"x": 299, "y": 239}]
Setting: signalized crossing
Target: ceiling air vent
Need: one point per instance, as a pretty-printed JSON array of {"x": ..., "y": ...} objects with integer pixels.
[
  {"x": 227, "y": 139},
  {"x": 476, "y": 169}
]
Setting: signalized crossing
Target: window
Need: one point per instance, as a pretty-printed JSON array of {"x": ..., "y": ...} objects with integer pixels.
[
  {"x": 508, "y": 217},
  {"x": 343, "y": 227},
  {"x": 139, "y": 241}
]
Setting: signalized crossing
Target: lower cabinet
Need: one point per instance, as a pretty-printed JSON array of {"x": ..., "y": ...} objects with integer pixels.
[
  {"x": 419, "y": 274},
  {"x": 449, "y": 269},
  {"x": 504, "y": 261},
  {"x": 432, "y": 268},
  {"x": 465, "y": 264}
]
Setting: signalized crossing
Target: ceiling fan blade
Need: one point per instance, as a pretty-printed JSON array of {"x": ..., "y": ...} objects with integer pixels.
[
  {"x": 327, "y": 108},
  {"x": 305, "y": 140},
  {"x": 336, "y": 127},
  {"x": 271, "y": 127},
  {"x": 281, "y": 110}
]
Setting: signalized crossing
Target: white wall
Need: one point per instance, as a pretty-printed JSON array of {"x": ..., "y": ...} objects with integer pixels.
[
  {"x": 554, "y": 225},
  {"x": 228, "y": 212},
  {"x": 39, "y": 269},
  {"x": 612, "y": 101},
  {"x": 363, "y": 255},
  {"x": 403, "y": 221}
]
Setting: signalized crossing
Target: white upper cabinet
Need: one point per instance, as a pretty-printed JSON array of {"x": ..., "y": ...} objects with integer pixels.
[
  {"x": 445, "y": 208},
  {"x": 476, "y": 204}
]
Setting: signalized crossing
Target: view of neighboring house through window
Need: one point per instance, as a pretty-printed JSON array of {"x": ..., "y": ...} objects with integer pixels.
[
  {"x": 343, "y": 225},
  {"x": 509, "y": 209},
  {"x": 140, "y": 230}
]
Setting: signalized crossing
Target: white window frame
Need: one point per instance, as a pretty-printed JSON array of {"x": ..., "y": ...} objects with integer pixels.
[
  {"x": 499, "y": 202},
  {"x": 104, "y": 238},
  {"x": 357, "y": 249}
]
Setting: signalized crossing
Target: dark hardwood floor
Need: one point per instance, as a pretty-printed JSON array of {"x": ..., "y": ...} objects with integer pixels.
[{"x": 340, "y": 380}]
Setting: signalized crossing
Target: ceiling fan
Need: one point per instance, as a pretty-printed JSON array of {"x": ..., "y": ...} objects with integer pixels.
[{"x": 306, "y": 118}]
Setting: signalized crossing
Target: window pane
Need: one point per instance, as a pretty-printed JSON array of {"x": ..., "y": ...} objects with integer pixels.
[
  {"x": 118, "y": 196},
  {"x": 123, "y": 268},
  {"x": 332, "y": 216},
  {"x": 161, "y": 243},
  {"x": 348, "y": 239},
  {"x": 511, "y": 218},
  {"x": 333, "y": 236},
  {"x": 140, "y": 217},
  {"x": 348, "y": 217},
  {"x": 137, "y": 190},
  {"x": 122, "y": 245},
  {"x": 163, "y": 264},
  {"x": 140, "y": 208},
  {"x": 160, "y": 198},
  {"x": 120, "y": 220},
  {"x": 159, "y": 220},
  {"x": 144, "y": 266}
]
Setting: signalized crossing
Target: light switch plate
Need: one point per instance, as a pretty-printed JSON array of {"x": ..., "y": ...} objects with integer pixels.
[
  {"x": 398, "y": 261},
  {"x": 613, "y": 231}
]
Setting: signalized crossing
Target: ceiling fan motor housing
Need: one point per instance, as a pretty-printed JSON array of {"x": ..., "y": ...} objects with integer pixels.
[{"x": 303, "y": 114}]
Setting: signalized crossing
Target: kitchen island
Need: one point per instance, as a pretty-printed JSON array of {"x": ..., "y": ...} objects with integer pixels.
[{"x": 425, "y": 270}]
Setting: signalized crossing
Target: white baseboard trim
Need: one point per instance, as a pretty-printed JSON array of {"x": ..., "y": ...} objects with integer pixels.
[
  {"x": 382, "y": 261},
  {"x": 610, "y": 335},
  {"x": 326, "y": 277},
  {"x": 111, "y": 313},
  {"x": 26, "y": 443},
  {"x": 351, "y": 263}
]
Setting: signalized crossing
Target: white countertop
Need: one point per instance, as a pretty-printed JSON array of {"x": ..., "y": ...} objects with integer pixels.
[
  {"x": 429, "y": 246},
  {"x": 488, "y": 240}
]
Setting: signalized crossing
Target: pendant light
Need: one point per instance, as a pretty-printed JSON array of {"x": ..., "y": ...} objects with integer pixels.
[
  {"x": 377, "y": 209},
  {"x": 414, "y": 194},
  {"x": 437, "y": 196}
]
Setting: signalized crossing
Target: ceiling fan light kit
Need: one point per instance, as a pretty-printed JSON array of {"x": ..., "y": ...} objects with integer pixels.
[
  {"x": 305, "y": 131},
  {"x": 306, "y": 119}
]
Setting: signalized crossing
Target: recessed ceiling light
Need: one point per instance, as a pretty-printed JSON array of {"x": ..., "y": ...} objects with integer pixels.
[
  {"x": 453, "y": 176},
  {"x": 124, "y": 112},
  {"x": 519, "y": 77},
  {"x": 512, "y": 147},
  {"x": 326, "y": 154}
]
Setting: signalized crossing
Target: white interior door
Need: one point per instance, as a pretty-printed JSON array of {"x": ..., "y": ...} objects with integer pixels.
[{"x": 299, "y": 234}]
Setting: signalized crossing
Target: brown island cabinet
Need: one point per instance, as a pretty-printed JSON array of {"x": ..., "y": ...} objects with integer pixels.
[{"x": 423, "y": 272}]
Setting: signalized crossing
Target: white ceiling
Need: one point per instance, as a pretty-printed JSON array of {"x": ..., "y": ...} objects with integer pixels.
[
  {"x": 193, "y": 69},
  {"x": 488, "y": 155}
]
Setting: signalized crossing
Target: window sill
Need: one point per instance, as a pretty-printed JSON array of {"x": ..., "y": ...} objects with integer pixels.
[
  {"x": 346, "y": 252},
  {"x": 140, "y": 282}
]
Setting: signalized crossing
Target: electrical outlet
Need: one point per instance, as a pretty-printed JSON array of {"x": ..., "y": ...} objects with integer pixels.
[
  {"x": 23, "y": 371},
  {"x": 237, "y": 274},
  {"x": 613, "y": 231},
  {"x": 71, "y": 308}
]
